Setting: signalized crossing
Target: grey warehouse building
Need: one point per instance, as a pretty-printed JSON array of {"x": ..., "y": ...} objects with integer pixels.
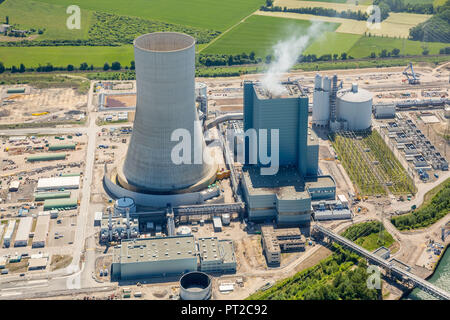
[
  {"x": 156, "y": 257},
  {"x": 171, "y": 256},
  {"x": 285, "y": 196}
]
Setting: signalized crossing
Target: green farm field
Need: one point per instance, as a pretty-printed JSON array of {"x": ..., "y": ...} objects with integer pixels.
[
  {"x": 38, "y": 15},
  {"x": 210, "y": 14},
  {"x": 62, "y": 56},
  {"x": 366, "y": 45},
  {"x": 332, "y": 42},
  {"x": 260, "y": 34}
]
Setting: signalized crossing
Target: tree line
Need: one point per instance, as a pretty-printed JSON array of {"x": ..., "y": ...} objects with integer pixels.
[
  {"x": 435, "y": 29},
  {"x": 115, "y": 66},
  {"x": 319, "y": 11},
  {"x": 427, "y": 214}
]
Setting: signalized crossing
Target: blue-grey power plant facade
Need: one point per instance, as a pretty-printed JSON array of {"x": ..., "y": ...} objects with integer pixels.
[{"x": 286, "y": 195}]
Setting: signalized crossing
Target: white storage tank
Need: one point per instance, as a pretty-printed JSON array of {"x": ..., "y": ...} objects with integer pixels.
[
  {"x": 354, "y": 106},
  {"x": 321, "y": 107},
  {"x": 226, "y": 218},
  {"x": 184, "y": 230},
  {"x": 200, "y": 89},
  {"x": 318, "y": 81},
  {"x": 326, "y": 84}
]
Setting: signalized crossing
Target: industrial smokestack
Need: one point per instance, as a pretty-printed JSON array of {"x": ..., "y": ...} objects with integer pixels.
[
  {"x": 165, "y": 77},
  {"x": 110, "y": 223},
  {"x": 127, "y": 210}
]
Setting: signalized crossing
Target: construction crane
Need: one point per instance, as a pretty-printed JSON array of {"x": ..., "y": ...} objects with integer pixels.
[{"x": 412, "y": 77}]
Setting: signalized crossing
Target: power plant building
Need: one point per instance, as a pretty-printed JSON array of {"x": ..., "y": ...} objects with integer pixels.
[
  {"x": 216, "y": 256},
  {"x": 286, "y": 195},
  {"x": 342, "y": 109},
  {"x": 165, "y": 111},
  {"x": 276, "y": 241},
  {"x": 155, "y": 257}
]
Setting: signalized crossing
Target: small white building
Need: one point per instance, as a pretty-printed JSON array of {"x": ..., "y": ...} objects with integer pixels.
[
  {"x": 217, "y": 224},
  {"x": 343, "y": 199},
  {"x": 41, "y": 232},
  {"x": 9, "y": 233},
  {"x": 14, "y": 186},
  {"x": 4, "y": 27},
  {"x": 23, "y": 232}
]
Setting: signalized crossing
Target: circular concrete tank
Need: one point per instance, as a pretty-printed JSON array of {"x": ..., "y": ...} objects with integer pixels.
[
  {"x": 184, "y": 230},
  {"x": 195, "y": 286},
  {"x": 122, "y": 204},
  {"x": 165, "y": 115},
  {"x": 354, "y": 106}
]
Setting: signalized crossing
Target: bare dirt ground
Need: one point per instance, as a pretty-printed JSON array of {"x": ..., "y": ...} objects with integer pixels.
[{"x": 42, "y": 105}]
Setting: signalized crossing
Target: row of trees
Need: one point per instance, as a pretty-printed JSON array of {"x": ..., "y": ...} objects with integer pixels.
[
  {"x": 404, "y": 6},
  {"x": 70, "y": 67},
  {"x": 429, "y": 213},
  {"x": 319, "y": 11},
  {"x": 227, "y": 59}
]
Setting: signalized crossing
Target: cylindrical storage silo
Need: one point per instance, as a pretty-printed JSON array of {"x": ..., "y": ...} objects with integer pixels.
[
  {"x": 318, "y": 81},
  {"x": 355, "y": 107},
  {"x": 326, "y": 84},
  {"x": 321, "y": 108},
  {"x": 200, "y": 89},
  {"x": 165, "y": 111},
  {"x": 195, "y": 286}
]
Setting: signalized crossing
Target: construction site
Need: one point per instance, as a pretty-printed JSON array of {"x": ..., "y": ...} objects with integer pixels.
[
  {"x": 26, "y": 106},
  {"x": 40, "y": 184}
]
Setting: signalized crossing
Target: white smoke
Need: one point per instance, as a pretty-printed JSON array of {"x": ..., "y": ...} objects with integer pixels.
[{"x": 286, "y": 53}]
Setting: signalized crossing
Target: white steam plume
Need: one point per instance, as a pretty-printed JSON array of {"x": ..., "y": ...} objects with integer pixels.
[{"x": 286, "y": 53}]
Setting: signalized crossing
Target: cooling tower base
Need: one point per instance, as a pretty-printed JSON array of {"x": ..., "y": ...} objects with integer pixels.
[
  {"x": 208, "y": 179},
  {"x": 147, "y": 199}
]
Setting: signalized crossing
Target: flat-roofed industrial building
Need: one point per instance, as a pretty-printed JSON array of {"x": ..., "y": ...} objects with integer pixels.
[
  {"x": 216, "y": 256},
  {"x": 154, "y": 257},
  {"x": 41, "y": 231},
  {"x": 56, "y": 183},
  {"x": 9, "y": 233},
  {"x": 23, "y": 232},
  {"x": 276, "y": 241},
  {"x": 284, "y": 195}
]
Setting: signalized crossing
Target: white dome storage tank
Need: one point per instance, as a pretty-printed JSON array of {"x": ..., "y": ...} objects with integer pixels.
[{"x": 355, "y": 107}]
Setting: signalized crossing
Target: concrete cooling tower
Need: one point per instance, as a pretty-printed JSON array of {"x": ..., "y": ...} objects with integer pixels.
[{"x": 165, "y": 80}]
